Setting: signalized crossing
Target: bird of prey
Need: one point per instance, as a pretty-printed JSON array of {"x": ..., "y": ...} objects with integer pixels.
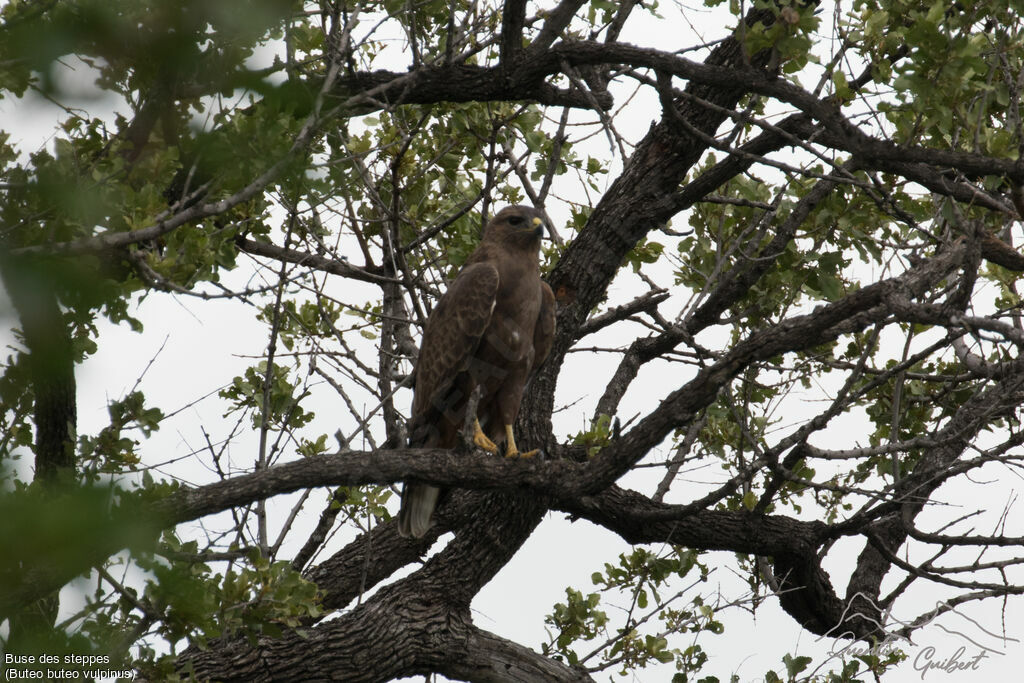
[{"x": 489, "y": 331}]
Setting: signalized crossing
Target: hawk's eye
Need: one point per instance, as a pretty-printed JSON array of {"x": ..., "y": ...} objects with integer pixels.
[{"x": 516, "y": 220}]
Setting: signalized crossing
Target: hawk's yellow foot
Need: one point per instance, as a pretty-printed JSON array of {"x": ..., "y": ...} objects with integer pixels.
[
  {"x": 511, "y": 451},
  {"x": 481, "y": 440}
]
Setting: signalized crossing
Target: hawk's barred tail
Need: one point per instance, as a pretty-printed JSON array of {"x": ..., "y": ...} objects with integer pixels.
[{"x": 418, "y": 501}]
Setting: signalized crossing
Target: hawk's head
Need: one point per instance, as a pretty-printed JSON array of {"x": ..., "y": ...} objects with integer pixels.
[{"x": 517, "y": 226}]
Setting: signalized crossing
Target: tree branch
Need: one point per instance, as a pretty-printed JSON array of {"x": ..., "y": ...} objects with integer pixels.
[
  {"x": 314, "y": 261},
  {"x": 513, "y": 19}
]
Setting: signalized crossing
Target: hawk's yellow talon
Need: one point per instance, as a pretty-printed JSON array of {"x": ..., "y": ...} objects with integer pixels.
[
  {"x": 512, "y": 451},
  {"x": 481, "y": 440}
]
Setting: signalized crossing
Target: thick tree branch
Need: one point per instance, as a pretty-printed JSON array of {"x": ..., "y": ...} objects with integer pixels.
[
  {"x": 513, "y": 19},
  {"x": 638, "y": 519},
  {"x": 404, "y": 630},
  {"x": 458, "y": 83}
]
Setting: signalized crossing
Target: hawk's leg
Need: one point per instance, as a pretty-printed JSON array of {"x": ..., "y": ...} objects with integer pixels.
[
  {"x": 481, "y": 440},
  {"x": 511, "y": 451}
]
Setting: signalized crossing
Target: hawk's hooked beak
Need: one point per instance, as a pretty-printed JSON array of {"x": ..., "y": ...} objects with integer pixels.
[{"x": 538, "y": 227}]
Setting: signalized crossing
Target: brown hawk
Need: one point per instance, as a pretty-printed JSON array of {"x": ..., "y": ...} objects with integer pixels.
[{"x": 489, "y": 331}]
